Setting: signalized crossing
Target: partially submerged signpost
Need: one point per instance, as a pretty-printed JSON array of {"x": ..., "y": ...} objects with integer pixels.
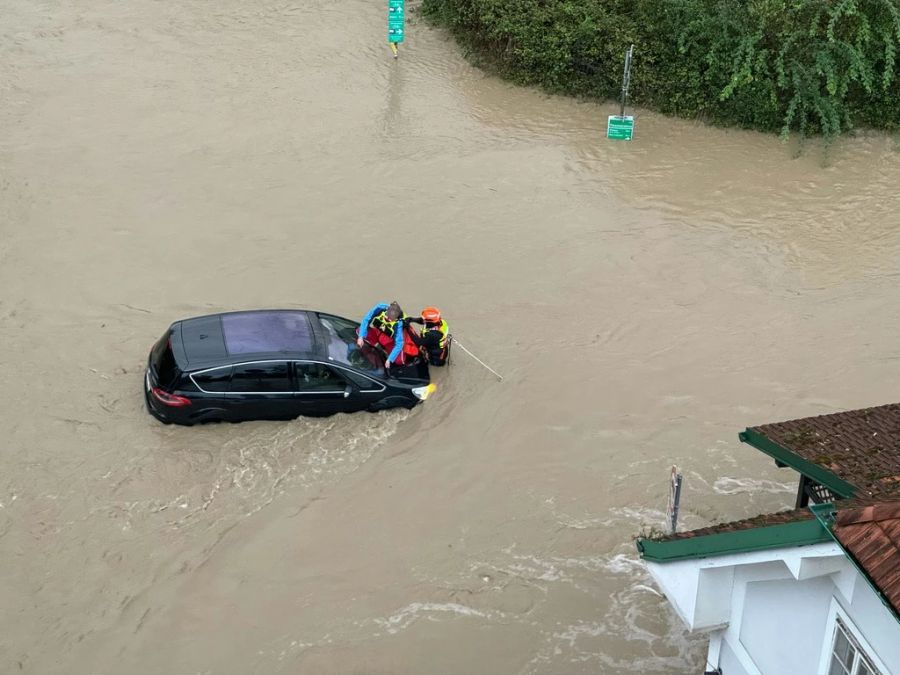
[
  {"x": 621, "y": 127},
  {"x": 675, "y": 480},
  {"x": 396, "y": 23}
]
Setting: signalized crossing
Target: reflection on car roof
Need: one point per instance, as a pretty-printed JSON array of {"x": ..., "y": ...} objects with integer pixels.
[{"x": 262, "y": 332}]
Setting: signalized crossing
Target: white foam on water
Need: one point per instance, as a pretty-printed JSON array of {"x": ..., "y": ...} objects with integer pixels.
[
  {"x": 533, "y": 568},
  {"x": 258, "y": 462},
  {"x": 638, "y": 613},
  {"x": 733, "y": 486},
  {"x": 641, "y": 516},
  {"x": 695, "y": 477},
  {"x": 589, "y": 640},
  {"x": 405, "y": 617},
  {"x": 573, "y": 632},
  {"x": 648, "y": 589},
  {"x": 622, "y": 563},
  {"x": 585, "y": 523}
]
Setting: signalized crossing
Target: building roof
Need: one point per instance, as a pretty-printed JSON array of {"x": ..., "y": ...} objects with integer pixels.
[
  {"x": 763, "y": 520},
  {"x": 871, "y": 534},
  {"x": 791, "y": 528},
  {"x": 855, "y": 453}
]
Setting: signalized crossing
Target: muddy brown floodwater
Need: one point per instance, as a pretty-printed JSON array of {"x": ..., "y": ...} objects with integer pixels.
[{"x": 645, "y": 302}]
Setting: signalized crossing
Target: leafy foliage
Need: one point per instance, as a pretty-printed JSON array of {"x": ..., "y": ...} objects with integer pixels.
[{"x": 805, "y": 66}]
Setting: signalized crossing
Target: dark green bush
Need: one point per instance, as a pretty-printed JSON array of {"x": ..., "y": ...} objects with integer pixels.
[{"x": 810, "y": 66}]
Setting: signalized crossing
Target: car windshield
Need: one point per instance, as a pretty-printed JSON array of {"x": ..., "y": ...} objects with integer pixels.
[{"x": 342, "y": 348}]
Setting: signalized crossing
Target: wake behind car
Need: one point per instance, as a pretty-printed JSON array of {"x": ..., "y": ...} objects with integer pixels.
[{"x": 271, "y": 364}]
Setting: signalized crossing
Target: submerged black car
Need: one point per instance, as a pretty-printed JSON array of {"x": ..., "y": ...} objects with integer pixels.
[{"x": 271, "y": 364}]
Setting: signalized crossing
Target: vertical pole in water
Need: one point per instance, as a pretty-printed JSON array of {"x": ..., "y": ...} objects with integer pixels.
[
  {"x": 619, "y": 127},
  {"x": 396, "y": 23},
  {"x": 626, "y": 79},
  {"x": 674, "y": 500}
]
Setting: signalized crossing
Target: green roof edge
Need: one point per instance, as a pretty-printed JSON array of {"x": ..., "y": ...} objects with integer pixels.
[
  {"x": 797, "y": 533},
  {"x": 825, "y": 513},
  {"x": 781, "y": 454}
]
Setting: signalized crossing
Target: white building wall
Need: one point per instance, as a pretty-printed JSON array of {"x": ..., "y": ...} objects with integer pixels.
[
  {"x": 729, "y": 662},
  {"x": 875, "y": 623},
  {"x": 783, "y": 624},
  {"x": 772, "y": 612}
]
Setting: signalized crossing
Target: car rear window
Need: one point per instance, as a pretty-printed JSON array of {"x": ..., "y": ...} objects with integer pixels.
[
  {"x": 203, "y": 340},
  {"x": 162, "y": 360}
]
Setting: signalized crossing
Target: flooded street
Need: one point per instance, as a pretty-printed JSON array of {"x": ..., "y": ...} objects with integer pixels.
[{"x": 644, "y": 302}]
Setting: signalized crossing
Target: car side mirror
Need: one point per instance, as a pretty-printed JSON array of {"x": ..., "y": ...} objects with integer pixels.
[{"x": 348, "y": 391}]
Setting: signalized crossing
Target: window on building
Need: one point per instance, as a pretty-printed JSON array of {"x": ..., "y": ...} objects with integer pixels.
[{"x": 847, "y": 657}]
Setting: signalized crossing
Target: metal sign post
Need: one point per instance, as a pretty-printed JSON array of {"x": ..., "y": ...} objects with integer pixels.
[
  {"x": 621, "y": 127},
  {"x": 396, "y": 23},
  {"x": 626, "y": 79},
  {"x": 675, "y": 481}
]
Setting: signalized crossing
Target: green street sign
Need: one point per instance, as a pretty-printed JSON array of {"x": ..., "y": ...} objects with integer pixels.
[
  {"x": 396, "y": 20},
  {"x": 620, "y": 128}
]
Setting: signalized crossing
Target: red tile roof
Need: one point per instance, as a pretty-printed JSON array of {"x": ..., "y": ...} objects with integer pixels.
[{"x": 871, "y": 534}]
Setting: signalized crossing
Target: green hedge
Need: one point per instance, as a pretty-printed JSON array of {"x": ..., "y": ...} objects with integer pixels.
[{"x": 810, "y": 66}]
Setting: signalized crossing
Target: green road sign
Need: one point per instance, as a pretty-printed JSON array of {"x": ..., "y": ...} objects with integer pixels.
[
  {"x": 620, "y": 128},
  {"x": 396, "y": 20}
]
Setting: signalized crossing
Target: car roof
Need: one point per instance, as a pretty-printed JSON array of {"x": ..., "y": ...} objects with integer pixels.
[{"x": 233, "y": 337}]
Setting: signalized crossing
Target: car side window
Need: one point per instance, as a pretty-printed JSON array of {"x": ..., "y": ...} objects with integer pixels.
[
  {"x": 213, "y": 380},
  {"x": 361, "y": 381},
  {"x": 262, "y": 377},
  {"x": 317, "y": 377}
]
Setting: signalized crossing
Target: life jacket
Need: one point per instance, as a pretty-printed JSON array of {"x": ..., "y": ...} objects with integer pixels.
[
  {"x": 385, "y": 325},
  {"x": 444, "y": 331},
  {"x": 386, "y": 339},
  {"x": 437, "y": 356},
  {"x": 410, "y": 349}
]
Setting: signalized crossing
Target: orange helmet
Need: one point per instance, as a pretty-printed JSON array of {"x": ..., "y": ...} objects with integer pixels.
[{"x": 431, "y": 314}]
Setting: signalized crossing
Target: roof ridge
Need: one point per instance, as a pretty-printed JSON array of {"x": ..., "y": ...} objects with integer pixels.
[{"x": 868, "y": 513}]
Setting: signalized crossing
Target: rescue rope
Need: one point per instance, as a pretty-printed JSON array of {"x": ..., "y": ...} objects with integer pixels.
[{"x": 499, "y": 376}]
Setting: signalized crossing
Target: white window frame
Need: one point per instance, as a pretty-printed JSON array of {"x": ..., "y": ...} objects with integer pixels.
[{"x": 835, "y": 612}]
